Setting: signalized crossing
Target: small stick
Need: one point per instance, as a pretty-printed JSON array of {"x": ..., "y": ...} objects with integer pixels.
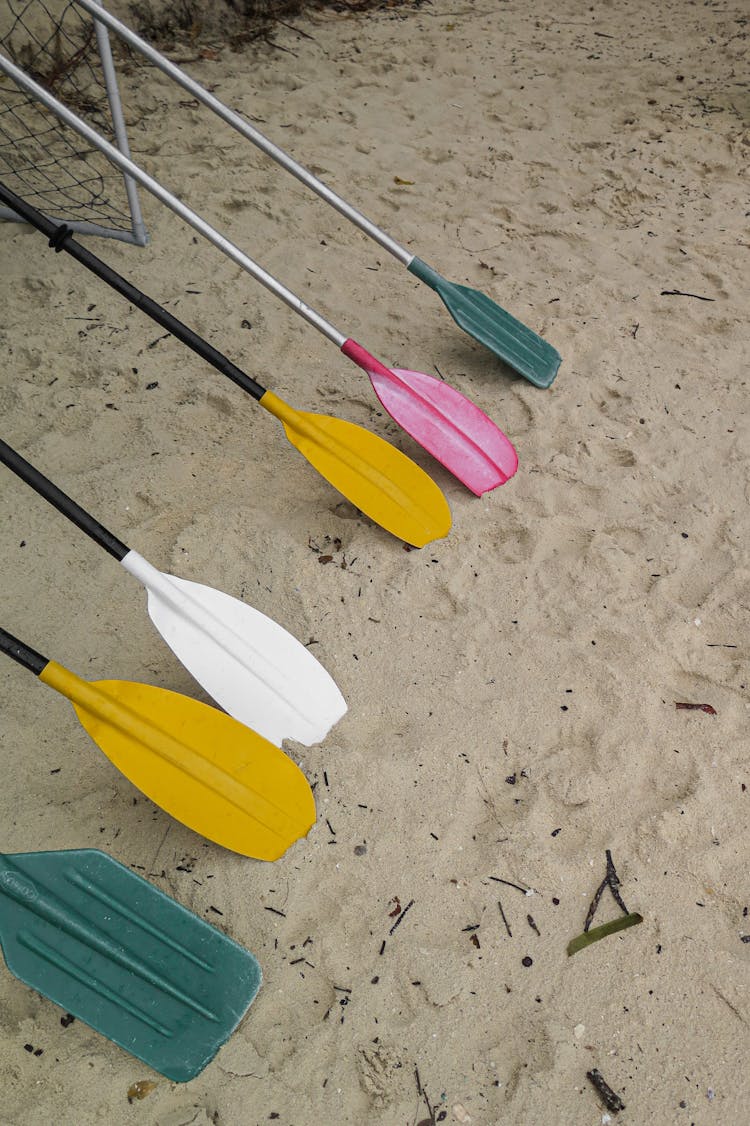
[
  {"x": 594, "y": 904},
  {"x": 614, "y": 882},
  {"x": 401, "y": 916},
  {"x": 610, "y": 1098},
  {"x": 423, "y": 1094},
  {"x": 611, "y": 881},
  {"x": 509, "y": 883},
  {"x": 681, "y": 293},
  {"x": 510, "y": 933}
]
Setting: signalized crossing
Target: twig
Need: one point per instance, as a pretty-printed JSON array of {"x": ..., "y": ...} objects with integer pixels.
[
  {"x": 399, "y": 920},
  {"x": 423, "y": 1094},
  {"x": 614, "y": 882},
  {"x": 610, "y": 1098},
  {"x": 297, "y": 30},
  {"x": 510, "y": 884},
  {"x": 611, "y": 881},
  {"x": 681, "y": 293},
  {"x": 594, "y": 904}
]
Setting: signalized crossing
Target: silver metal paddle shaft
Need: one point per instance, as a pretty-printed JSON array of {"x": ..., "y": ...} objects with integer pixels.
[
  {"x": 248, "y": 131},
  {"x": 116, "y": 157}
]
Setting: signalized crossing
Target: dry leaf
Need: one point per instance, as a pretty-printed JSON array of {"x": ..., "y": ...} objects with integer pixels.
[{"x": 141, "y": 1089}]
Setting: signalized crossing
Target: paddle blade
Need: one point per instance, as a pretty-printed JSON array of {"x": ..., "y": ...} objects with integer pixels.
[
  {"x": 117, "y": 953},
  {"x": 376, "y": 477},
  {"x": 479, "y": 316},
  {"x": 204, "y": 768},
  {"x": 252, "y": 667},
  {"x": 445, "y": 422},
  {"x": 462, "y": 437}
]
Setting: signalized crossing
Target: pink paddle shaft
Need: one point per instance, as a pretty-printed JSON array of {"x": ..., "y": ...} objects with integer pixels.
[{"x": 447, "y": 424}]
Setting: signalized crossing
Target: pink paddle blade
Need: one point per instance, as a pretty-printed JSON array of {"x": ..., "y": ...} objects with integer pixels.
[{"x": 447, "y": 424}]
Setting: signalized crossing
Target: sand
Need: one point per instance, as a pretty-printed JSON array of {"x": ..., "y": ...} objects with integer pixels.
[{"x": 512, "y": 687}]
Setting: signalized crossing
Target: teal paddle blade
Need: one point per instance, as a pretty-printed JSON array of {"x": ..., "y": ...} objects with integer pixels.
[
  {"x": 113, "y": 950},
  {"x": 518, "y": 346}
]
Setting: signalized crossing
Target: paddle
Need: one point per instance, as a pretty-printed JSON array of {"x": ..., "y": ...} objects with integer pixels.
[
  {"x": 443, "y": 421},
  {"x": 114, "y": 951},
  {"x": 201, "y": 766},
  {"x": 474, "y": 312},
  {"x": 376, "y": 477},
  {"x": 252, "y": 667}
]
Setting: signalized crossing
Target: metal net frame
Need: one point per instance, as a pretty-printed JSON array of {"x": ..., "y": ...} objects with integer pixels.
[{"x": 68, "y": 53}]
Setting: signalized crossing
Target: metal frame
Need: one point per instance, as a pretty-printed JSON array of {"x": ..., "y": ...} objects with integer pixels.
[{"x": 138, "y": 234}]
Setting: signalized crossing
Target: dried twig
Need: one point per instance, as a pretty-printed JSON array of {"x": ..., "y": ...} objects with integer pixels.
[
  {"x": 611, "y": 881},
  {"x": 610, "y": 1098}
]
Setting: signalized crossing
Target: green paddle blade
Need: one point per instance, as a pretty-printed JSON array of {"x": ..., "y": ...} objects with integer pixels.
[
  {"x": 113, "y": 950},
  {"x": 518, "y": 346}
]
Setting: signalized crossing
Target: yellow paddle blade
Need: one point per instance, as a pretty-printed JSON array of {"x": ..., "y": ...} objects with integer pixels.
[
  {"x": 376, "y": 477},
  {"x": 204, "y": 768}
]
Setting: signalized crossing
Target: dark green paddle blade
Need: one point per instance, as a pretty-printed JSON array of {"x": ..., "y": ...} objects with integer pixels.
[
  {"x": 474, "y": 312},
  {"x": 113, "y": 950}
]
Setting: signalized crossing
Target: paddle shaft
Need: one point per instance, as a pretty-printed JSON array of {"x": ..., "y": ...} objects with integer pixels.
[
  {"x": 126, "y": 165},
  {"x": 56, "y": 497},
  {"x": 249, "y": 132},
  {"x": 21, "y": 653},
  {"x": 60, "y": 238}
]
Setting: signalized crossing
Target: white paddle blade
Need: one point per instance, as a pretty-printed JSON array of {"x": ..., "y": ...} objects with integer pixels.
[{"x": 252, "y": 667}]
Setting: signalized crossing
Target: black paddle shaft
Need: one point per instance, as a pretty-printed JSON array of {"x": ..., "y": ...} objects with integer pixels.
[
  {"x": 61, "y": 502},
  {"x": 60, "y": 238},
  {"x": 25, "y": 656}
]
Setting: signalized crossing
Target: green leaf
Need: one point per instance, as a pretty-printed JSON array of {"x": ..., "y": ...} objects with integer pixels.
[{"x": 594, "y": 935}]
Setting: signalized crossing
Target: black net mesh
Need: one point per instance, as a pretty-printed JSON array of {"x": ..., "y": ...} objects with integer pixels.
[{"x": 42, "y": 160}]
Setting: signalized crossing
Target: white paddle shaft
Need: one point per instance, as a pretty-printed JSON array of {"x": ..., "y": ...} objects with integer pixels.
[
  {"x": 126, "y": 165},
  {"x": 248, "y": 131}
]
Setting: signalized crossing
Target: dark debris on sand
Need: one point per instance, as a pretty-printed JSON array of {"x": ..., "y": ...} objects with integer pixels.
[{"x": 237, "y": 22}]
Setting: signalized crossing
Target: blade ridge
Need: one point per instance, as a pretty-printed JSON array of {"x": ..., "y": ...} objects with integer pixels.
[
  {"x": 209, "y": 773},
  {"x": 92, "y": 888},
  {"x": 376, "y": 477},
  {"x": 197, "y": 618},
  {"x": 435, "y": 410},
  {"x": 55, "y": 958},
  {"x": 513, "y": 333}
]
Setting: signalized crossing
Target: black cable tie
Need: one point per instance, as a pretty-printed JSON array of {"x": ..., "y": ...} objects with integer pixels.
[{"x": 60, "y": 237}]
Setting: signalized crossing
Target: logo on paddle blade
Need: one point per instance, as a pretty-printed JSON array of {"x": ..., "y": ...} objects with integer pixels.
[{"x": 18, "y": 887}]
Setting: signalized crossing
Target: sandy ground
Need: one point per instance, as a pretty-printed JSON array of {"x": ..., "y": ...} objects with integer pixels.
[{"x": 512, "y": 687}]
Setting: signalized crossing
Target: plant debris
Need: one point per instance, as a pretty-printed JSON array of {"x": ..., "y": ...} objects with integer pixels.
[
  {"x": 141, "y": 1089},
  {"x": 610, "y": 1098},
  {"x": 707, "y": 708},
  {"x": 612, "y": 881},
  {"x": 586, "y": 939},
  {"x": 399, "y": 920},
  {"x": 681, "y": 293}
]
